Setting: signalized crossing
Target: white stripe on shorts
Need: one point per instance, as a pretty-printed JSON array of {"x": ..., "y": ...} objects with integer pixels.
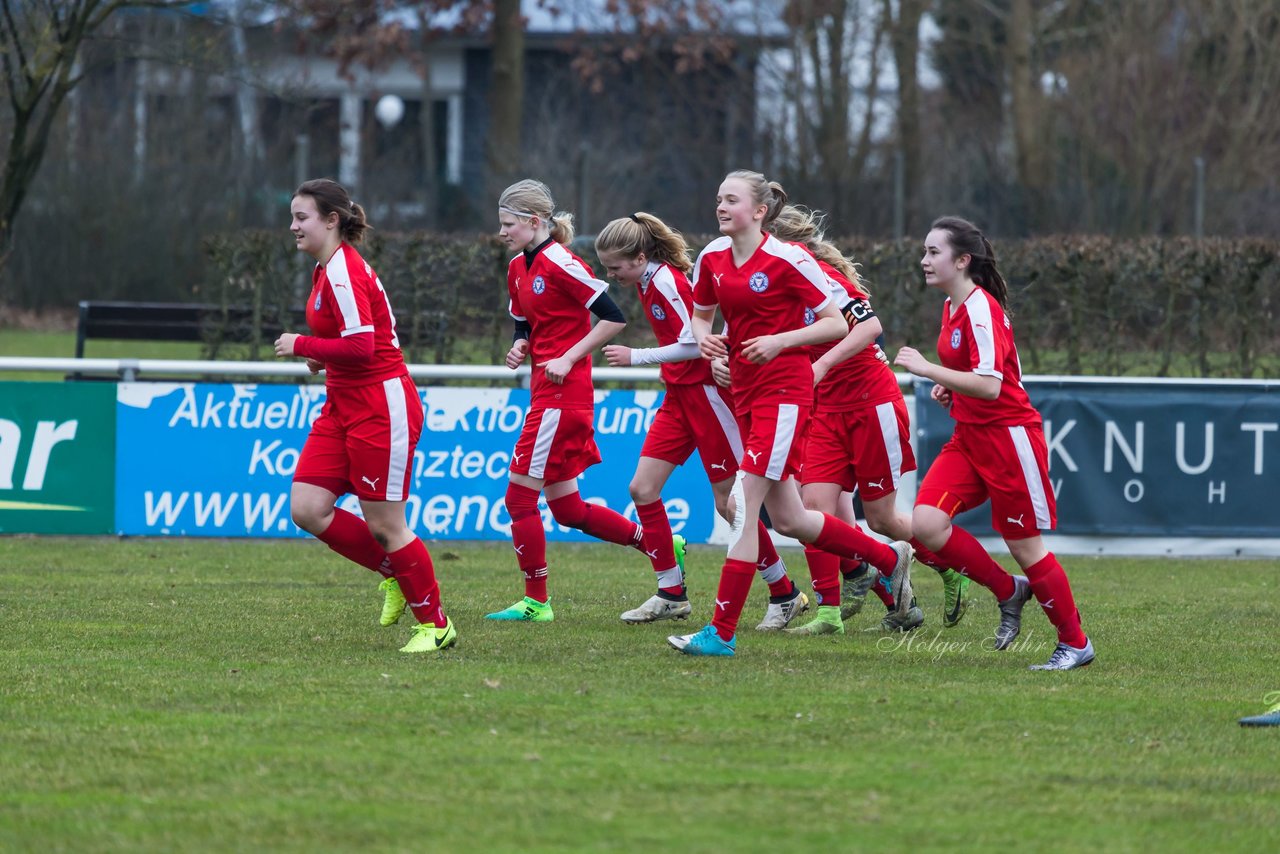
[
  {"x": 724, "y": 415},
  {"x": 1031, "y": 473},
  {"x": 542, "y": 444},
  {"x": 398, "y": 463},
  {"x": 783, "y": 436},
  {"x": 888, "y": 419}
]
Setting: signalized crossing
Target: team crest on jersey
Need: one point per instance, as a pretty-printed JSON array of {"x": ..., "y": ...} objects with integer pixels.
[
  {"x": 658, "y": 313},
  {"x": 809, "y": 317},
  {"x": 539, "y": 284},
  {"x": 758, "y": 282},
  {"x": 955, "y": 339}
]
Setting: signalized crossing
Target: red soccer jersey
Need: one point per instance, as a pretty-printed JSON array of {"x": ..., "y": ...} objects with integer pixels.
[
  {"x": 977, "y": 337},
  {"x": 860, "y": 380},
  {"x": 347, "y": 299},
  {"x": 554, "y": 291},
  {"x": 765, "y": 296},
  {"x": 666, "y": 295}
]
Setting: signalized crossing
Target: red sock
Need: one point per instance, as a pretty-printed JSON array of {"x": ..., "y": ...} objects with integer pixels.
[
  {"x": 885, "y": 596},
  {"x": 417, "y": 579},
  {"x": 842, "y": 539},
  {"x": 779, "y": 583},
  {"x": 731, "y": 596},
  {"x": 927, "y": 557},
  {"x": 529, "y": 539},
  {"x": 600, "y": 522},
  {"x": 656, "y": 531},
  {"x": 1053, "y": 591},
  {"x": 966, "y": 556},
  {"x": 349, "y": 536},
  {"x": 825, "y": 569}
]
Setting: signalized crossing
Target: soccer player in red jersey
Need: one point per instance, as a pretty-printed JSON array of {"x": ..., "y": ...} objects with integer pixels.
[
  {"x": 364, "y": 439},
  {"x": 696, "y": 414},
  {"x": 998, "y": 449},
  {"x": 858, "y": 433},
  {"x": 553, "y": 296},
  {"x": 763, "y": 288}
]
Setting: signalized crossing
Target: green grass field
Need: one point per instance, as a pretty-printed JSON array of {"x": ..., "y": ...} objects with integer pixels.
[{"x": 187, "y": 695}]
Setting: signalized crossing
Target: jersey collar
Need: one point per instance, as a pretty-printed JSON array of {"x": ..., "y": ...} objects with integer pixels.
[
  {"x": 649, "y": 272},
  {"x": 530, "y": 254}
]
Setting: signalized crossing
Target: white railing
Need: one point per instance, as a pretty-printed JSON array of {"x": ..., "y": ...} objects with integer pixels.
[{"x": 131, "y": 370}]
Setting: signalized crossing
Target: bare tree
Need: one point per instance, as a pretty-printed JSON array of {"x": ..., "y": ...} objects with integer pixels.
[{"x": 40, "y": 46}]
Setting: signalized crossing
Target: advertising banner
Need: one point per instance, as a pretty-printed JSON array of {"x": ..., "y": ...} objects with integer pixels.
[
  {"x": 1176, "y": 459},
  {"x": 57, "y": 457},
  {"x": 217, "y": 460}
]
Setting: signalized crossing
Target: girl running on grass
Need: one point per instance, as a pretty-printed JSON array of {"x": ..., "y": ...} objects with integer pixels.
[
  {"x": 364, "y": 439},
  {"x": 764, "y": 287},
  {"x": 998, "y": 449},
  {"x": 696, "y": 414},
  {"x": 859, "y": 435},
  {"x": 552, "y": 298}
]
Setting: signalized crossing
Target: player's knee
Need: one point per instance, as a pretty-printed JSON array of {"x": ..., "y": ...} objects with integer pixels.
[
  {"x": 569, "y": 510},
  {"x": 787, "y": 524},
  {"x": 722, "y": 507},
  {"x": 644, "y": 492},
  {"x": 310, "y": 518},
  {"x": 930, "y": 526}
]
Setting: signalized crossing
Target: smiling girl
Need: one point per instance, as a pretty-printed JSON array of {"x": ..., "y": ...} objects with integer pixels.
[
  {"x": 764, "y": 288},
  {"x": 364, "y": 439},
  {"x": 998, "y": 450}
]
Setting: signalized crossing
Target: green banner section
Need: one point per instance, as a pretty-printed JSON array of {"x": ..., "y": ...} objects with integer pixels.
[{"x": 57, "y": 458}]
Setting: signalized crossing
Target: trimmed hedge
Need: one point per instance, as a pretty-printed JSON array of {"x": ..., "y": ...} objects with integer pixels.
[{"x": 1080, "y": 304}]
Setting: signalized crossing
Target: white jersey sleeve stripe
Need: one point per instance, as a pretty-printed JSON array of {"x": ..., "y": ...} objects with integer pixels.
[
  {"x": 340, "y": 287},
  {"x": 979, "y": 311},
  {"x": 561, "y": 257},
  {"x": 802, "y": 262},
  {"x": 666, "y": 285}
]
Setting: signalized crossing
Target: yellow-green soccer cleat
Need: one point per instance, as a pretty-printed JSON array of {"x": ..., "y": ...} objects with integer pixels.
[
  {"x": 678, "y": 544},
  {"x": 393, "y": 602},
  {"x": 429, "y": 638},
  {"x": 955, "y": 593},
  {"x": 827, "y": 622},
  {"x": 526, "y": 610}
]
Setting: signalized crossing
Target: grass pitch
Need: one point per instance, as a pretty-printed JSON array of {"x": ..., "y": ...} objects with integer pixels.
[{"x": 187, "y": 695}]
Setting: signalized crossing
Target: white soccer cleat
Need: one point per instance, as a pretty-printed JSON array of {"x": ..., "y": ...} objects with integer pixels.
[
  {"x": 780, "y": 614},
  {"x": 1067, "y": 657},
  {"x": 657, "y": 608},
  {"x": 900, "y": 581}
]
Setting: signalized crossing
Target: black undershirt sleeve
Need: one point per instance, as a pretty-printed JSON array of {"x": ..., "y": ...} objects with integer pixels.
[{"x": 606, "y": 309}]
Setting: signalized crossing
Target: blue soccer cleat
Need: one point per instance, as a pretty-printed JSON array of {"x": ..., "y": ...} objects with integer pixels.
[{"x": 705, "y": 642}]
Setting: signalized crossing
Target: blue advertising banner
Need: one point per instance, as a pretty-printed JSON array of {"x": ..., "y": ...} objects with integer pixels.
[
  {"x": 200, "y": 459},
  {"x": 1154, "y": 458}
]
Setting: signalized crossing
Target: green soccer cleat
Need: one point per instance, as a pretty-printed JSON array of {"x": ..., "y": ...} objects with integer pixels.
[
  {"x": 393, "y": 602},
  {"x": 854, "y": 590},
  {"x": 526, "y": 610},
  {"x": 678, "y": 544},
  {"x": 955, "y": 590},
  {"x": 429, "y": 638},
  {"x": 827, "y": 622}
]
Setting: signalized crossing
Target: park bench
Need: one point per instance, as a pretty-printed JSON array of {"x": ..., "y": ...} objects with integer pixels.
[{"x": 165, "y": 321}]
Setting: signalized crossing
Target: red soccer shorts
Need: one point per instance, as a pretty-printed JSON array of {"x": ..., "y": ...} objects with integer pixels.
[
  {"x": 773, "y": 439},
  {"x": 555, "y": 444},
  {"x": 1009, "y": 465},
  {"x": 363, "y": 441},
  {"x": 696, "y": 417},
  {"x": 869, "y": 448}
]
